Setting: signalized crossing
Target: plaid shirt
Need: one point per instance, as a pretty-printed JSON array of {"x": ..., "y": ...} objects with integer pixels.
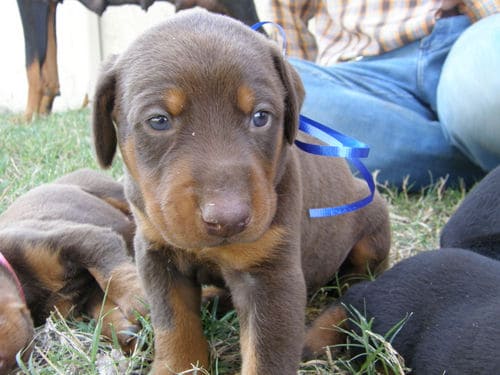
[{"x": 346, "y": 29}]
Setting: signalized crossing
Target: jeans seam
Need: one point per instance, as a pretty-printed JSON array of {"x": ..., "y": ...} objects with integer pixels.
[{"x": 420, "y": 72}]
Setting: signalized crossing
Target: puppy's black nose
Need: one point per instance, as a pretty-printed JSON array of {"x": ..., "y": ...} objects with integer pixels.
[{"x": 225, "y": 217}]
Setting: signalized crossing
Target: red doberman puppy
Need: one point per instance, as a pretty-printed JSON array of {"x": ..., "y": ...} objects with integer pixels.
[
  {"x": 205, "y": 112},
  {"x": 67, "y": 242}
]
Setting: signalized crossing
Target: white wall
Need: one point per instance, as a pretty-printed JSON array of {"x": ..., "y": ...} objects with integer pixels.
[
  {"x": 83, "y": 41},
  {"x": 13, "y": 84}
]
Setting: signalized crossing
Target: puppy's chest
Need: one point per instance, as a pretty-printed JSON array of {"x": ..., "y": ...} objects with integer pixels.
[
  {"x": 209, "y": 275},
  {"x": 202, "y": 271}
]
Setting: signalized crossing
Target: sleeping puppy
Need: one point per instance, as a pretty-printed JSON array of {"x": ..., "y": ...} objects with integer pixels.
[
  {"x": 205, "y": 112},
  {"x": 16, "y": 325},
  {"x": 476, "y": 223},
  {"x": 453, "y": 296},
  {"x": 67, "y": 242}
]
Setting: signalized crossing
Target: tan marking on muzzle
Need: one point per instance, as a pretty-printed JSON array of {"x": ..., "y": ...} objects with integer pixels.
[
  {"x": 172, "y": 206},
  {"x": 148, "y": 229},
  {"x": 130, "y": 158}
]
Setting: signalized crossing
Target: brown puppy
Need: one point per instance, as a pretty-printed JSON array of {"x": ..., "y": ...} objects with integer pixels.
[
  {"x": 205, "y": 112},
  {"x": 16, "y": 326},
  {"x": 67, "y": 242}
]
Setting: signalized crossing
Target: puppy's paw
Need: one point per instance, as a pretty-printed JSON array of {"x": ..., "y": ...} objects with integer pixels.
[{"x": 116, "y": 323}]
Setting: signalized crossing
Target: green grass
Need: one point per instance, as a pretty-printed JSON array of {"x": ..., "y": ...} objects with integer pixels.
[
  {"x": 376, "y": 352},
  {"x": 39, "y": 152},
  {"x": 75, "y": 347}
]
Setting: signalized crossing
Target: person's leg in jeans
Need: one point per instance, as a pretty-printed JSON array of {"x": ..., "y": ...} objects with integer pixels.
[
  {"x": 389, "y": 102},
  {"x": 468, "y": 95}
]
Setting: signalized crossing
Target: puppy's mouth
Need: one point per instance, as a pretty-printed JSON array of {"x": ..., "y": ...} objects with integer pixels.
[
  {"x": 214, "y": 241},
  {"x": 220, "y": 235}
]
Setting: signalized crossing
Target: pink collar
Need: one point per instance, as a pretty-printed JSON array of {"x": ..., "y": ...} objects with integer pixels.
[{"x": 4, "y": 262}]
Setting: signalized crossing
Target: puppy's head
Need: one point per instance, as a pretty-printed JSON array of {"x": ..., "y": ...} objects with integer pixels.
[
  {"x": 16, "y": 326},
  {"x": 204, "y": 111}
]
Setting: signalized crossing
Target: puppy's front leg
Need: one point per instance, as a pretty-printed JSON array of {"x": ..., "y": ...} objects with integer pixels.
[
  {"x": 175, "y": 310},
  {"x": 270, "y": 302}
]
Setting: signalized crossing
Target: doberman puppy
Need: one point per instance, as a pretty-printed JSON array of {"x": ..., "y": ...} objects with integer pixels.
[
  {"x": 476, "y": 223},
  {"x": 453, "y": 296},
  {"x": 205, "y": 112},
  {"x": 68, "y": 242},
  {"x": 16, "y": 325}
]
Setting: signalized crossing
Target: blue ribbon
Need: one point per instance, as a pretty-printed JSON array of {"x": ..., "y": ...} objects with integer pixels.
[
  {"x": 350, "y": 149},
  {"x": 337, "y": 145},
  {"x": 258, "y": 25}
]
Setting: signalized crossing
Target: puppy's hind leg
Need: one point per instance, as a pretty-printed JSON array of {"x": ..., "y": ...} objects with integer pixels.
[
  {"x": 325, "y": 331},
  {"x": 365, "y": 258},
  {"x": 370, "y": 254}
]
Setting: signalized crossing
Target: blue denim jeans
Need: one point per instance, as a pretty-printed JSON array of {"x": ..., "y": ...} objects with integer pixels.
[{"x": 424, "y": 111}]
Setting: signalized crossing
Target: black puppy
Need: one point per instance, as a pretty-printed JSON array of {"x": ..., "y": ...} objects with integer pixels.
[
  {"x": 476, "y": 223},
  {"x": 453, "y": 296}
]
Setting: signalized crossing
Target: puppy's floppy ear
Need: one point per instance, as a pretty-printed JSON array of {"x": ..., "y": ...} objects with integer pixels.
[
  {"x": 294, "y": 94},
  {"x": 104, "y": 133}
]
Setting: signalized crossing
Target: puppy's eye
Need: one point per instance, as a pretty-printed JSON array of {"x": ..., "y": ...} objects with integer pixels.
[
  {"x": 159, "y": 122},
  {"x": 261, "y": 119}
]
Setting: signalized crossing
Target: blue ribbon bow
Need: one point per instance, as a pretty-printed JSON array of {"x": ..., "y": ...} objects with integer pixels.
[{"x": 349, "y": 148}]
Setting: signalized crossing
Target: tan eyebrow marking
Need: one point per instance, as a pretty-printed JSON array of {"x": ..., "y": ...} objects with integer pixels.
[
  {"x": 245, "y": 99},
  {"x": 175, "y": 101}
]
